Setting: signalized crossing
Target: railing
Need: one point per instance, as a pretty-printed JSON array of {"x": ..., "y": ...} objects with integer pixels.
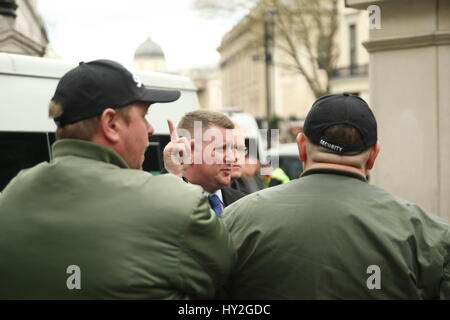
[{"x": 350, "y": 72}]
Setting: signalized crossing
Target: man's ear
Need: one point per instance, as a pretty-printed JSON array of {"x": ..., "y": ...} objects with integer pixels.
[
  {"x": 374, "y": 150},
  {"x": 301, "y": 144},
  {"x": 109, "y": 125}
]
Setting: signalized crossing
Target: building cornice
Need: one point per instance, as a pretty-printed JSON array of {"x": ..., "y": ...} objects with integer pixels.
[
  {"x": 37, "y": 18},
  {"x": 408, "y": 42},
  {"x": 238, "y": 30},
  {"x": 247, "y": 22},
  {"x": 31, "y": 46},
  {"x": 362, "y": 4}
]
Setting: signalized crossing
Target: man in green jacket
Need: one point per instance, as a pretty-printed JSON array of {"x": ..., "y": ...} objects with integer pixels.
[
  {"x": 91, "y": 224},
  {"x": 331, "y": 235}
]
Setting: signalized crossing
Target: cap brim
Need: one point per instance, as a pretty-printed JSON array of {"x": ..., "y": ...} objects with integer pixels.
[{"x": 160, "y": 95}]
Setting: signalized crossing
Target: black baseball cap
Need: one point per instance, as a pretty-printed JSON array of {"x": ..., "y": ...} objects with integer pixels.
[
  {"x": 341, "y": 109},
  {"x": 90, "y": 88}
]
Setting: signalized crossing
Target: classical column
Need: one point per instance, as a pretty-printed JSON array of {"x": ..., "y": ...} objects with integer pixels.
[{"x": 410, "y": 94}]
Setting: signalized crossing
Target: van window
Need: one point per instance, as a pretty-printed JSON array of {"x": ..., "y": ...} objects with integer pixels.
[
  {"x": 21, "y": 150},
  {"x": 154, "y": 161}
]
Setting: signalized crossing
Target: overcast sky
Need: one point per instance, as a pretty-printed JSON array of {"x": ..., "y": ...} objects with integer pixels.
[{"x": 91, "y": 29}]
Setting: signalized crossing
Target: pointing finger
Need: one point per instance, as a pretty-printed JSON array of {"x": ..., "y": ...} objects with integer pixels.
[{"x": 172, "y": 130}]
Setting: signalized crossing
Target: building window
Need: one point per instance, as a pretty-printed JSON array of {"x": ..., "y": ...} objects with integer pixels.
[
  {"x": 322, "y": 52},
  {"x": 256, "y": 57},
  {"x": 353, "y": 47},
  {"x": 8, "y": 8}
]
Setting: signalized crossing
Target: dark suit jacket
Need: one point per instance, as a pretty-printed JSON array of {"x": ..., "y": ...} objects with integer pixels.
[{"x": 231, "y": 195}]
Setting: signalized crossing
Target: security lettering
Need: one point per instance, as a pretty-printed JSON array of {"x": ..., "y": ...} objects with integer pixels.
[{"x": 330, "y": 146}]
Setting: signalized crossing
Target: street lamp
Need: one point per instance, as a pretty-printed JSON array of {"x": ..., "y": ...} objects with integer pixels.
[{"x": 269, "y": 36}]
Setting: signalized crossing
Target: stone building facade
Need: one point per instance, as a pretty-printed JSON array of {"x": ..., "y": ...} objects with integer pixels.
[
  {"x": 243, "y": 67},
  {"x": 22, "y": 30}
]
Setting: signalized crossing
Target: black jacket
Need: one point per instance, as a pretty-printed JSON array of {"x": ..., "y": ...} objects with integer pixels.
[{"x": 231, "y": 195}]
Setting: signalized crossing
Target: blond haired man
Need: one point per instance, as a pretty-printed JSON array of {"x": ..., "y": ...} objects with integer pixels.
[{"x": 210, "y": 138}]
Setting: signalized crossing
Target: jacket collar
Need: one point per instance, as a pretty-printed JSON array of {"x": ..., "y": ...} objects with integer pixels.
[
  {"x": 87, "y": 149},
  {"x": 333, "y": 171}
]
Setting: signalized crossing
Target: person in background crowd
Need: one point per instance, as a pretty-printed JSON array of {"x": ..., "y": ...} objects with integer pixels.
[
  {"x": 276, "y": 177},
  {"x": 251, "y": 177},
  {"x": 237, "y": 181}
]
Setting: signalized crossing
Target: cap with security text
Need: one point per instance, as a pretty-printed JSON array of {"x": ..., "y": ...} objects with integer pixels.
[
  {"x": 341, "y": 109},
  {"x": 90, "y": 88}
]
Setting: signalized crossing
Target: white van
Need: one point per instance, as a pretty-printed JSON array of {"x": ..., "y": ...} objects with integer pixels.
[{"x": 26, "y": 133}]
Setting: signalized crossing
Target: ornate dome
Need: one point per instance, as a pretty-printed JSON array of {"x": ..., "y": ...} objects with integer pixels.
[{"x": 149, "y": 49}]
